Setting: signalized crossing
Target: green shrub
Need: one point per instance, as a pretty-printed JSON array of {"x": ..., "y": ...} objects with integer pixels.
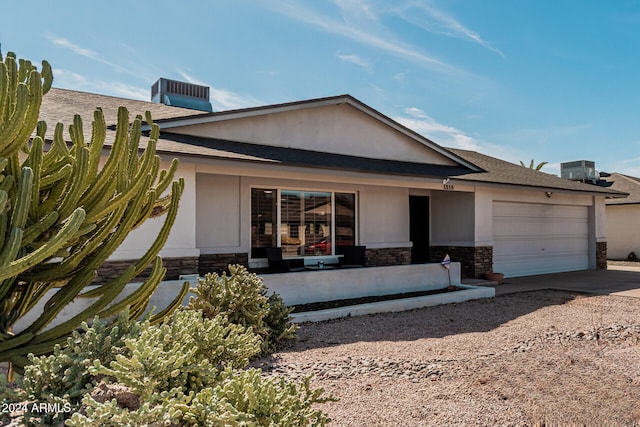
[
  {"x": 241, "y": 298},
  {"x": 242, "y": 398},
  {"x": 64, "y": 376},
  {"x": 187, "y": 372},
  {"x": 188, "y": 352}
]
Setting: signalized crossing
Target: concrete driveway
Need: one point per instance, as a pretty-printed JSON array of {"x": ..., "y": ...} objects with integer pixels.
[{"x": 617, "y": 280}]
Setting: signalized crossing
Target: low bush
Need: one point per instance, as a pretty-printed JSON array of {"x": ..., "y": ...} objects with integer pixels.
[
  {"x": 187, "y": 372},
  {"x": 242, "y": 298},
  {"x": 64, "y": 377}
]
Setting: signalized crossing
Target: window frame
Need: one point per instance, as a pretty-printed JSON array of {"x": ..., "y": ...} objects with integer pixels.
[{"x": 280, "y": 188}]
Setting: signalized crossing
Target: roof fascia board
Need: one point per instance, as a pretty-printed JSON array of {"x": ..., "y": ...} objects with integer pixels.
[{"x": 586, "y": 192}]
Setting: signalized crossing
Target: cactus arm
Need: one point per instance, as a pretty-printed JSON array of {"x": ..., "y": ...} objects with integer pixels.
[
  {"x": 52, "y": 177},
  {"x": 110, "y": 167},
  {"x": 39, "y": 255},
  {"x": 163, "y": 234},
  {"x": 76, "y": 133},
  {"x": 177, "y": 302},
  {"x": 35, "y": 162},
  {"x": 15, "y": 341},
  {"x": 27, "y": 109},
  {"x": 98, "y": 136},
  {"x": 138, "y": 299},
  {"x": 21, "y": 208},
  {"x": 32, "y": 232},
  {"x": 47, "y": 76},
  {"x": 77, "y": 183},
  {"x": 10, "y": 251},
  {"x": 167, "y": 177}
]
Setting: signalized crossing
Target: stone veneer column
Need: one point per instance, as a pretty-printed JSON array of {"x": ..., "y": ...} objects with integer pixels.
[
  {"x": 601, "y": 255},
  {"x": 217, "y": 263},
  {"x": 175, "y": 268},
  {"x": 475, "y": 260}
]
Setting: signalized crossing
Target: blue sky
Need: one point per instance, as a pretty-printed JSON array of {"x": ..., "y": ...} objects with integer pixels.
[{"x": 550, "y": 80}]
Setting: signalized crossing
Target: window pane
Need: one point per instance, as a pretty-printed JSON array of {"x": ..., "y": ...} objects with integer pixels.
[
  {"x": 345, "y": 220},
  {"x": 292, "y": 220},
  {"x": 317, "y": 228},
  {"x": 306, "y": 223},
  {"x": 263, "y": 221}
]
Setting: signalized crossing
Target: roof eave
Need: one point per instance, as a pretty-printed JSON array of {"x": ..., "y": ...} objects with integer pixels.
[{"x": 544, "y": 188}]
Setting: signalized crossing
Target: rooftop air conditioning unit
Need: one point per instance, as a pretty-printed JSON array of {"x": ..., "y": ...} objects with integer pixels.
[
  {"x": 584, "y": 171},
  {"x": 181, "y": 94},
  {"x": 581, "y": 170}
]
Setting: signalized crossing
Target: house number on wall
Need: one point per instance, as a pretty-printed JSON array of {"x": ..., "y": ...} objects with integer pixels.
[{"x": 448, "y": 187}]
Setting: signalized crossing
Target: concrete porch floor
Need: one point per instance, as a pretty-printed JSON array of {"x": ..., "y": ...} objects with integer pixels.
[{"x": 616, "y": 280}]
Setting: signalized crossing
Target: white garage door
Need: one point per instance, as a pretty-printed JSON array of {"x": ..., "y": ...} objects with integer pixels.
[{"x": 533, "y": 239}]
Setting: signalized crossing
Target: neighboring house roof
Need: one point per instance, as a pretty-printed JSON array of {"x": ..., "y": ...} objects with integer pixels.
[
  {"x": 628, "y": 184},
  {"x": 503, "y": 172},
  {"x": 61, "y": 105}
]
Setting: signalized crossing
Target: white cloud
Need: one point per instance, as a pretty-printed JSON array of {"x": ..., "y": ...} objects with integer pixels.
[
  {"x": 369, "y": 35},
  {"x": 134, "y": 69},
  {"x": 356, "y": 60},
  {"x": 448, "y": 136},
  {"x": 436, "y": 21},
  {"x": 71, "y": 80},
  {"x": 222, "y": 99},
  {"x": 627, "y": 166}
]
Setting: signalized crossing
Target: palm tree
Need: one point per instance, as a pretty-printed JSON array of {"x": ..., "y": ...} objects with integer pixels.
[{"x": 538, "y": 167}]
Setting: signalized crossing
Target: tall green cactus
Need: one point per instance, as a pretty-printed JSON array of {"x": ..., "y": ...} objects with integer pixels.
[{"x": 62, "y": 215}]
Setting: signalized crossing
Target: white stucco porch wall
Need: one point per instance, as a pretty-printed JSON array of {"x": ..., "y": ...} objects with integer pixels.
[{"x": 623, "y": 232}]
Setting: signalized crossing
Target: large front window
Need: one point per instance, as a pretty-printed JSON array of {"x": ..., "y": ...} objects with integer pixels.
[{"x": 303, "y": 223}]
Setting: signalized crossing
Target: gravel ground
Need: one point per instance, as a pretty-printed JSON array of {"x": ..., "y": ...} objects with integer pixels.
[{"x": 536, "y": 358}]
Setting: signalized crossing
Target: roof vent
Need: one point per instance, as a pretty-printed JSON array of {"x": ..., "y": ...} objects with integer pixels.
[
  {"x": 181, "y": 94},
  {"x": 584, "y": 171}
]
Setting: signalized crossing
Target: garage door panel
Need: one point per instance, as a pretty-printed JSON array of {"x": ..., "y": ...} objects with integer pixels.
[{"x": 537, "y": 239}]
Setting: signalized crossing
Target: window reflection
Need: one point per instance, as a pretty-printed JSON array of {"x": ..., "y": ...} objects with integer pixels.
[{"x": 307, "y": 225}]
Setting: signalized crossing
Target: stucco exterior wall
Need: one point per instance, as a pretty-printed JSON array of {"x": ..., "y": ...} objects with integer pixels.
[
  {"x": 452, "y": 218},
  {"x": 218, "y": 208},
  {"x": 384, "y": 217},
  {"x": 223, "y": 211},
  {"x": 623, "y": 230}
]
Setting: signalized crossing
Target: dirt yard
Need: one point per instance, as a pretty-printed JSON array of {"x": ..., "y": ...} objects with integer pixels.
[{"x": 544, "y": 357}]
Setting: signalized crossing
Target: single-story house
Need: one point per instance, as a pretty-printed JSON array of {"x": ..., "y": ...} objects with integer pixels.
[
  {"x": 313, "y": 175},
  {"x": 623, "y": 218}
]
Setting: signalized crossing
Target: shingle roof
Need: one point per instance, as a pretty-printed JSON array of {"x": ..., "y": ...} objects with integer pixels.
[
  {"x": 503, "y": 172},
  {"x": 628, "y": 184},
  {"x": 61, "y": 105}
]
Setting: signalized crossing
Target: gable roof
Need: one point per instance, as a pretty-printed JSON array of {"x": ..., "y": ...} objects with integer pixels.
[
  {"x": 628, "y": 184},
  {"x": 177, "y": 122},
  {"x": 503, "y": 172},
  {"x": 60, "y": 105}
]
